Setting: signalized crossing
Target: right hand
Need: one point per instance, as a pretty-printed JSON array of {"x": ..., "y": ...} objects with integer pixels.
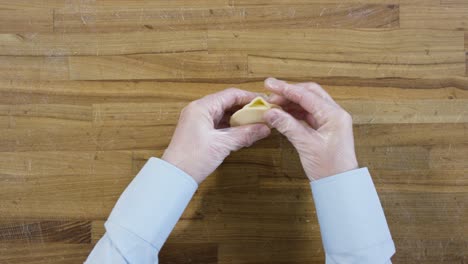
[
  {"x": 202, "y": 139},
  {"x": 320, "y": 130}
]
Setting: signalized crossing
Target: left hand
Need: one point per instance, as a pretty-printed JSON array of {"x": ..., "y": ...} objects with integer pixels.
[
  {"x": 324, "y": 139},
  {"x": 202, "y": 139}
]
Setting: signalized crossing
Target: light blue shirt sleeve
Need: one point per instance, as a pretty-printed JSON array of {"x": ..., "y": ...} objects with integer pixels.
[
  {"x": 351, "y": 218},
  {"x": 144, "y": 215},
  {"x": 352, "y": 222}
]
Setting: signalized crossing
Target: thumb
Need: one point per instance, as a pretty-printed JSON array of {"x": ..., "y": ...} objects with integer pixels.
[
  {"x": 244, "y": 136},
  {"x": 285, "y": 123}
]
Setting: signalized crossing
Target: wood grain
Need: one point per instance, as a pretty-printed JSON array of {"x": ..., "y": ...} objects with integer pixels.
[
  {"x": 158, "y": 66},
  {"x": 19, "y": 21},
  {"x": 391, "y": 2},
  {"x": 424, "y": 111},
  {"x": 344, "y": 41},
  {"x": 42, "y": 253},
  {"x": 430, "y": 17},
  {"x": 250, "y": 17},
  {"x": 359, "y": 53},
  {"x": 286, "y": 2},
  {"x": 453, "y": 2},
  {"x": 79, "y": 44},
  {"x": 262, "y": 67},
  {"x": 70, "y": 232},
  {"x": 33, "y": 68},
  {"x": 103, "y": 4},
  {"x": 89, "y": 90}
]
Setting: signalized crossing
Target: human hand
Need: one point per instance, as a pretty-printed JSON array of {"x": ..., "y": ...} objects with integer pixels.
[
  {"x": 320, "y": 130},
  {"x": 202, "y": 139}
]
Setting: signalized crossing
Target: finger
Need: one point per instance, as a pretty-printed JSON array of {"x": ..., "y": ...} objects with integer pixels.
[
  {"x": 283, "y": 102},
  {"x": 277, "y": 99},
  {"x": 312, "y": 121},
  {"x": 286, "y": 124},
  {"x": 294, "y": 109},
  {"x": 223, "y": 122},
  {"x": 219, "y": 102},
  {"x": 311, "y": 86},
  {"x": 299, "y": 115},
  {"x": 316, "y": 88},
  {"x": 244, "y": 136},
  {"x": 320, "y": 108}
]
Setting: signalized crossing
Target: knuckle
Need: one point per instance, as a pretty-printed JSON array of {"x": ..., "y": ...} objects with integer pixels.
[
  {"x": 312, "y": 85},
  {"x": 247, "y": 139},
  {"x": 346, "y": 117},
  {"x": 191, "y": 107},
  {"x": 235, "y": 92},
  {"x": 287, "y": 92},
  {"x": 295, "y": 94},
  {"x": 247, "y": 142},
  {"x": 185, "y": 111},
  {"x": 284, "y": 125},
  {"x": 232, "y": 90},
  {"x": 250, "y": 138}
]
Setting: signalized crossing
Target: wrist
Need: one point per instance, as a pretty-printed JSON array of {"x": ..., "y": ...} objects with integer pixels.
[
  {"x": 338, "y": 167},
  {"x": 182, "y": 164}
]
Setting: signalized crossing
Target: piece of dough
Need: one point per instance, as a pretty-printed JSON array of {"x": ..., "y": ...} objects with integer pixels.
[{"x": 251, "y": 113}]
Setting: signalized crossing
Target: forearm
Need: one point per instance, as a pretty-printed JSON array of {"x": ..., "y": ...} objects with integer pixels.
[
  {"x": 351, "y": 218},
  {"x": 145, "y": 214}
]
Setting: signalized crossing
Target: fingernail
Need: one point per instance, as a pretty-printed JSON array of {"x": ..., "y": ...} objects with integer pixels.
[
  {"x": 272, "y": 82},
  {"x": 274, "y": 99}
]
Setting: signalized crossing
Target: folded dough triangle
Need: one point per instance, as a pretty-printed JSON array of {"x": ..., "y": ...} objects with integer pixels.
[{"x": 251, "y": 113}]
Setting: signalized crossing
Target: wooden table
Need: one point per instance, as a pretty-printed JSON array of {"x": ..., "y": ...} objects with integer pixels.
[{"x": 91, "y": 89}]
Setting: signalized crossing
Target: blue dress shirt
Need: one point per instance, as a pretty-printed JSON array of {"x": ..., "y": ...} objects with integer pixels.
[{"x": 352, "y": 222}]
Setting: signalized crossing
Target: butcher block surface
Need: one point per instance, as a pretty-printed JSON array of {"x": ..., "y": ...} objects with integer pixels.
[{"x": 90, "y": 89}]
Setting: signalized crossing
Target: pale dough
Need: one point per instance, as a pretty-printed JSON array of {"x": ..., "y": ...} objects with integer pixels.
[{"x": 251, "y": 113}]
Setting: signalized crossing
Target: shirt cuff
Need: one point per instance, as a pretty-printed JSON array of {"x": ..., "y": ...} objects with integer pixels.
[
  {"x": 152, "y": 204},
  {"x": 350, "y": 215}
]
